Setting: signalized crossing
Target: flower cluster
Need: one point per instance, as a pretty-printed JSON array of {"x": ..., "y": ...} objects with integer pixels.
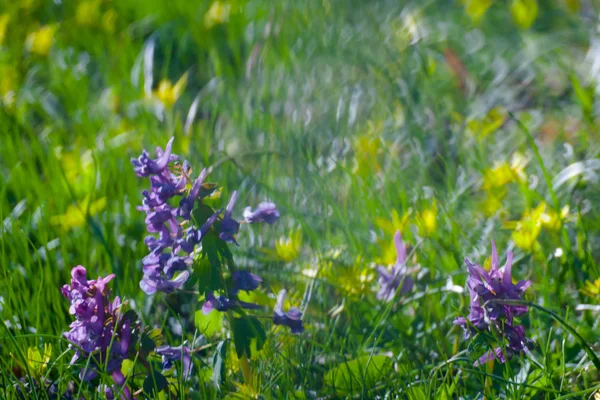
[
  {"x": 485, "y": 288},
  {"x": 390, "y": 281},
  {"x": 166, "y": 267},
  {"x": 98, "y": 330}
]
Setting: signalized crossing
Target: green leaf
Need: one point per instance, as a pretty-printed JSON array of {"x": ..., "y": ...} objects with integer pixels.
[
  {"x": 155, "y": 382},
  {"x": 201, "y": 213},
  {"x": 205, "y": 273},
  {"x": 209, "y": 324},
  {"x": 219, "y": 364},
  {"x": 248, "y": 332},
  {"x": 359, "y": 374},
  {"x": 150, "y": 340}
]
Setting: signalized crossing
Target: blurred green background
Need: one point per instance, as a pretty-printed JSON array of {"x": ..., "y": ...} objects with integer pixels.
[{"x": 454, "y": 122}]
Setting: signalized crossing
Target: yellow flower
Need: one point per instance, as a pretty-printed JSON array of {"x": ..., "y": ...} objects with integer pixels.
[
  {"x": 592, "y": 289},
  {"x": 492, "y": 203},
  {"x": 4, "y": 20},
  {"x": 88, "y": 13},
  {"x": 74, "y": 216},
  {"x": 217, "y": 14},
  {"x": 554, "y": 220},
  {"x": 504, "y": 173},
  {"x": 168, "y": 93},
  {"x": 527, "y": 230},
  {"x": 396, "y": 224},
  {"x": 476, "y": 9},
  {"x": 109, "y": 21},
  {"x": 427, "y": 220},
  {"x": 491, "y": 122},
  {"x": 40, "y": 41},
  {"x": 524, "y": 12}
]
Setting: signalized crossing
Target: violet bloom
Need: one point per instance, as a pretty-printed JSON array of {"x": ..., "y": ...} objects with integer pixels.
[
  {"x": 152, "y": 284},
  {"x": 265, "y": 212},
  {"x": 292, "y": 318},
  {"x": 244, "y": 280},
  {"x": 144, "y": 166},
  {"x": 485, "y": 314},
  {"x": 165, "y": 258},
  {"x": 222, "y": 304},
  {"x": 229, "y": 226},
  {"x": 171, "y": 354},
  {"x": 98, "y": 330},
  {"x": 390, "y": 281},
  {"x": 187, "y": 203}
]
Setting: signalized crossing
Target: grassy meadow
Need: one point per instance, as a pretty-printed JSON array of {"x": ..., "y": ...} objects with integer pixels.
[{"x": 454, "y": 123}]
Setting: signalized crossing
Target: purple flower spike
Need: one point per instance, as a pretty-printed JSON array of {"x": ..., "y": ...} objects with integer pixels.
[
  {"x": 229, "y": 226},
  {"x": 97, "y": 331},
  {"x": 292, "y": 318},
  {"x": 265, "y": 212},
  {"x": 244, "y": 280},
  {"x": 170, "y": 354},
  {"x": 186, "y": 205},
  {"x": 485, "y": 314},
  {"x": 144, "y": 166},
  {"x": 390, "y": 280}
]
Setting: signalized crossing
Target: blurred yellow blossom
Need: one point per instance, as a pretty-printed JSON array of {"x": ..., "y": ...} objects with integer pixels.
[
  {"x": 527, "y": 230},
  {"x": 168, "y": 93},
  {"x": 524, "y": 12},
  {"x": 396, "y": 224},
  {"x": 218, "y": 13},
  {"x": 40, "y": 41},
  {"x": 88, "y": 13},
  {"x": 552, "y": 219},
  {"x": 4, "y": 20},
  {"x": 109, "y": 21},
  {"x": 492, "y": 121},
  {"x": 427, "y": 220},
  {"x": 74, "y": 217},
  {"x": 503, "y": 173},
  {"x": 366, "y": 150},
  {"x": 592, "y": 289},
  {"x": 476, "y": 9}
]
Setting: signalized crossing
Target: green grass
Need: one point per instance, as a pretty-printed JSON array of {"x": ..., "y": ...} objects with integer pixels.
[{"x": 341, "y": 112}]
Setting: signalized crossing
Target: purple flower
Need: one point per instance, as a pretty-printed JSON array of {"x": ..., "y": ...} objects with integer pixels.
[
  {"x": 144, "y": 166},
  {"x": 152, "y": 284},
  {"x": 485, "y": 314},
  {"x": 186, "y": 204},
  {"x": 390, "y": 280},
  {"x": 170, "y": 354},
  {"x": 292, "y": 318},
  {"x": 244, "y": 280},
  {"x": 222, "y": 304},
  {"x": 265, "y": 212},
  {"x": 98, "y": 329},
  {"x": 229, "y": 226}
]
